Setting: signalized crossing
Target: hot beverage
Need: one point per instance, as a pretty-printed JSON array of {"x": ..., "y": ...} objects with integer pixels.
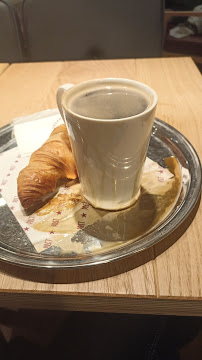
[{"x": 113, "y": 102}]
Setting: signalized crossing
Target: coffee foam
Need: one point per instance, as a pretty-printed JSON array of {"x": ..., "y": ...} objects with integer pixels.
[{"x": 109, "y": 102}]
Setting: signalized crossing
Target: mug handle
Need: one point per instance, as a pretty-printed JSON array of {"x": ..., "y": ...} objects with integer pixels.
[{"x": 59, "y": 94}]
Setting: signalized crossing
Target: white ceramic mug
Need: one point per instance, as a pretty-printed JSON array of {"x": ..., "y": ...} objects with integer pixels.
[{"x": 109, "y": 153}]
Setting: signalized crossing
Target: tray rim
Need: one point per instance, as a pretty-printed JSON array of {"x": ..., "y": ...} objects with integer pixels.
[{"x": 41, "y": 262}]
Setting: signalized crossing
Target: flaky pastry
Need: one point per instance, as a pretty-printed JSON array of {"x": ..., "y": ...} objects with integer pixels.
[{"x": 50, "y": 163}]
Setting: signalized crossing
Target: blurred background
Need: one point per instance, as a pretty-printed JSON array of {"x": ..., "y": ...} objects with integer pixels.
[{"x": 47, "y": 30}]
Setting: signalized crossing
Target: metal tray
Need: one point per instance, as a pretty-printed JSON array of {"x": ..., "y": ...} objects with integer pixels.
[{"x": 166, "y": 141}]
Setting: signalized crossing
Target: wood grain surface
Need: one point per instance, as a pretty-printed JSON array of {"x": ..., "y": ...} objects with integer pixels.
[{"x": 166, "y": 278}]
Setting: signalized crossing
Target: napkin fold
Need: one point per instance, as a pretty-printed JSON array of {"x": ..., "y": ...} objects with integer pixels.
[{"x": 32, "y": 131}]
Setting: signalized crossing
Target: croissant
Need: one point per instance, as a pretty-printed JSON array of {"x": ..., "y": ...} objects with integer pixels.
[{"x": 51, "y": 162}]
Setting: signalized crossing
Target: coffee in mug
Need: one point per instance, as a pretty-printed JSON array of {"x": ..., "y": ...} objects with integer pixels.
[{"x": 115, "y": 102}]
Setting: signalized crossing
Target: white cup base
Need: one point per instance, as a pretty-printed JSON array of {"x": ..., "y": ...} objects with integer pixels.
[{"x": 115, "y": 207}]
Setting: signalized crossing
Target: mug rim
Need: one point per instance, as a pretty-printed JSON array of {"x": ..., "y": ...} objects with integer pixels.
[{"x": 125, "y": 81}]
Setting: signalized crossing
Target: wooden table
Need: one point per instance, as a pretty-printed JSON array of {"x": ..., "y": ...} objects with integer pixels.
[{"x": 166, "y": 279}]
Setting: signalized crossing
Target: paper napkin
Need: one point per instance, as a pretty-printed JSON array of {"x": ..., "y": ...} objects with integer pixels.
[{"x": 30, "y": 134}]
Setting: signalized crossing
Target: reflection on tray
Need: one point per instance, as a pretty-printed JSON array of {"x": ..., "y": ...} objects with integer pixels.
[{"x": 77, "y": 228}]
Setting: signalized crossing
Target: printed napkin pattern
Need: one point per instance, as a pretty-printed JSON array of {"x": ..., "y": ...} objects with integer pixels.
[{"x": 71, "y": 214}]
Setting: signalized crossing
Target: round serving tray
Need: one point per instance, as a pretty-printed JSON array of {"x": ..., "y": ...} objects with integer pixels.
[{"x": 165, "y": 141}]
